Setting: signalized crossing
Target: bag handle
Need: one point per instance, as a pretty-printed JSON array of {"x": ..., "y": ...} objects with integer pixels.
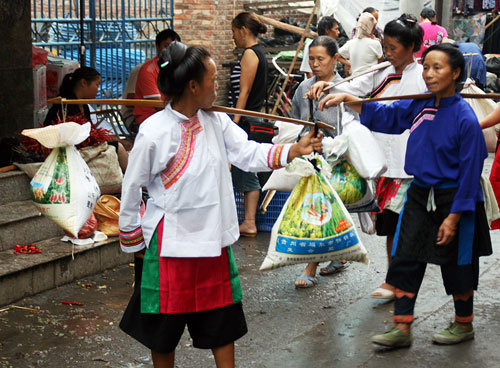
[{"x": 340, "y": 116}]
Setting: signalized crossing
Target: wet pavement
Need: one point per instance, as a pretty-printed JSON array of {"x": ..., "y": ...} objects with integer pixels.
[{"x": 328, "y": 326}]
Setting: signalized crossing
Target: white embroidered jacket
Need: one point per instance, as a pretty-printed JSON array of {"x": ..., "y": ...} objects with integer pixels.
[
  {"x": 386, "y": 83},
  {"x": 184, "y": 164}
]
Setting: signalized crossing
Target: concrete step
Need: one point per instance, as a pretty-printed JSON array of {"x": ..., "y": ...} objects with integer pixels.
[
  {"x": 14, "y": 186},
  {"x": 22, "y": 223},
  {"x": 22, "y": 275}
]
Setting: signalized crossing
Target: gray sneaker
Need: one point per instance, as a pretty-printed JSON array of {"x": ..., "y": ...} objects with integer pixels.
[
  {"x": 394, "y": 338},
  {"x": 454, "y": 334}
]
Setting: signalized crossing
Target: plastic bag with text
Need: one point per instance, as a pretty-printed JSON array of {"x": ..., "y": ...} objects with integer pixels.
[
  {"x": 313, "y": 226},
  {"x": 63, "y": 188}
]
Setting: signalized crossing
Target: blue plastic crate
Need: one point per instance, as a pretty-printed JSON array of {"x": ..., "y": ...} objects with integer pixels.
[{"x": 264, "y": 222}]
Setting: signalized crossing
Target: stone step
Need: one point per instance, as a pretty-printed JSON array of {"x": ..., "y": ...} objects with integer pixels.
[
  {"x": 22, "y": 223},
  {"x": 14, "y": 186},
  {"x": 22, "y": 275}
]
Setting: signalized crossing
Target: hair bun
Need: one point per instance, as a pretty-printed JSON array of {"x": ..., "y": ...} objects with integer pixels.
[{"x": 172, "y": 55}]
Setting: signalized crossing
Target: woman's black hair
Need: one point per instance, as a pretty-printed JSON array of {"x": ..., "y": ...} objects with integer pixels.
[
  {"x": 455, "y": 58},
  {"x": 70, "y": 80},
  {"x": 327, "y": 42},
  {"x": 325, "y": 24},
  {"x": 180, "y": 64},
  {"x": 251, "y": 22},
  {"x": 406, "y": 31},
  {"x": 165, "y": 35},
  {"x": 370, "y": 10},
  {"x": 428, "y": 13}
]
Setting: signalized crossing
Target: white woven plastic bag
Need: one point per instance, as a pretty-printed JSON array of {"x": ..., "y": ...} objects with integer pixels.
[
  {"x": 363, "y": 151},
  {"x": 482, "y": 107},
  {"x": 63, "y": 188}
]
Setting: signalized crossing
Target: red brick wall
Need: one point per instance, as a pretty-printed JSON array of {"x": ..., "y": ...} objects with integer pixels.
[{"x": 208, "y": 23}]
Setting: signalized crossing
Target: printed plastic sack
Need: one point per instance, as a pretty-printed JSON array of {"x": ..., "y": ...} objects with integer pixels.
[
  {"x": 363, "y": 151},
  {"x": 88, "y": 229},
  {"x": 63, "y": 188},
  {"x": 357, "y": 193},
  {"x": 314, "y": 226}
]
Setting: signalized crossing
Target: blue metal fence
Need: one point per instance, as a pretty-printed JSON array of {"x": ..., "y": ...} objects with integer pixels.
[{"x": 118, "y": 34}]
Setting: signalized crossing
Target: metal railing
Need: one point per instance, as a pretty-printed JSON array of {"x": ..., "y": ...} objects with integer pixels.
[{"x": 117, "y": 34}]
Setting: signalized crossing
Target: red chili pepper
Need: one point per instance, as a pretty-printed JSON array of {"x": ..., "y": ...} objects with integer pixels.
[
  {"x": 26, "y": 249},
  {"x": 72, "y": 303}
]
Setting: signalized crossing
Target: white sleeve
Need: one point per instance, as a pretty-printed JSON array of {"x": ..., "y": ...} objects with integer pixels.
[
  {"x": 377, "y": 49},
  {"x": 250, "y": 155},
  {"x": 344, "y": 50},
  {"x": 137, "y": 175}
]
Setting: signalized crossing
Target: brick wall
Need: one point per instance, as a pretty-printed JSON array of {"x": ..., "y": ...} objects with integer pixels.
[{"x": 208, "y": 23}]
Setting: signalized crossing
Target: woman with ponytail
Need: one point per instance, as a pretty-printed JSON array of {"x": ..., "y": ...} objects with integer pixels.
[
  {"x": 185, "y": 269},
  {"x": 82, "y": 83},
  {"x": 248, "y": 91}
]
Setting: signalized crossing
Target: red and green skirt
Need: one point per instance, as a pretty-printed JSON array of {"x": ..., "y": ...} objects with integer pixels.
[{"x": 185, "y": 285}]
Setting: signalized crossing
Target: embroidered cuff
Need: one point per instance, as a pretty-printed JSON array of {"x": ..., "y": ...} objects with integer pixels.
[
  {"x": 132, "y": 241},
  {"x": 278, "y": 156}
]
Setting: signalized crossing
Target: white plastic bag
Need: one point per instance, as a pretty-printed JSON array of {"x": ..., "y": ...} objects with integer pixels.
[
  {"x": 367, "y": 223},
  {"x": 287, "y": 132},
  {"x": 363, "y": 151},
  {"x": 482, "y": 107},
  {"x": 285, "y": 179},
  {"x": 63, "y": 188}
]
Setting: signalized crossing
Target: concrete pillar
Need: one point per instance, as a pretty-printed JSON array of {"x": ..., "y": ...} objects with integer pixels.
[
  {"x": 16, "y": 76},
  {"x": 447, "y": 17},
  {"x": 411, "y": 7}
]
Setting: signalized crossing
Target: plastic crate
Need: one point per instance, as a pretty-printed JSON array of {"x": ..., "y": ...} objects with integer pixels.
[{"x": 264, "y": 222}]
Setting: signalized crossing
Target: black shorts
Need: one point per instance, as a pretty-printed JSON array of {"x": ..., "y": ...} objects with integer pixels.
[
  {"x": 386, "y": 223},
  {"x": 161, "y": 332}
]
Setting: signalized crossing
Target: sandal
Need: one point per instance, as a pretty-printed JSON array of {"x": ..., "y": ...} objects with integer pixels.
[
  {"x": 334, "y": 267},
  {"x": 247, "y": 234},
  {"x": 310, "y": 281},
  {"x": 381, "y": 293}
]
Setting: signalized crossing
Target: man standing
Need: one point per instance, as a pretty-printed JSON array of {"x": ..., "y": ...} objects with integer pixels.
[{"x": 146, "y": 86}]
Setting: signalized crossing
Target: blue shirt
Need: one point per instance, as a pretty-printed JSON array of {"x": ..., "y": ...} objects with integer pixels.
[
  {"x": 446, "y": 144},
  {"x": 478, "y": 67}
]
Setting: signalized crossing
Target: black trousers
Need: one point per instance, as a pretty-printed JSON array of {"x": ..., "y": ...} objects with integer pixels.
[{"x": 407, "y": 275}]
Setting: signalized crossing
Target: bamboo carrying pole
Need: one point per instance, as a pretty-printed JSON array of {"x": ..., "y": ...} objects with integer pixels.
[
  {"x": 270, "y": 193},
  {"x": 288, "y": 27},
  {"x": 494, "y": 96},
  {"x": 374, "y": 68},
  {"x": 160, "y": 104}
]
